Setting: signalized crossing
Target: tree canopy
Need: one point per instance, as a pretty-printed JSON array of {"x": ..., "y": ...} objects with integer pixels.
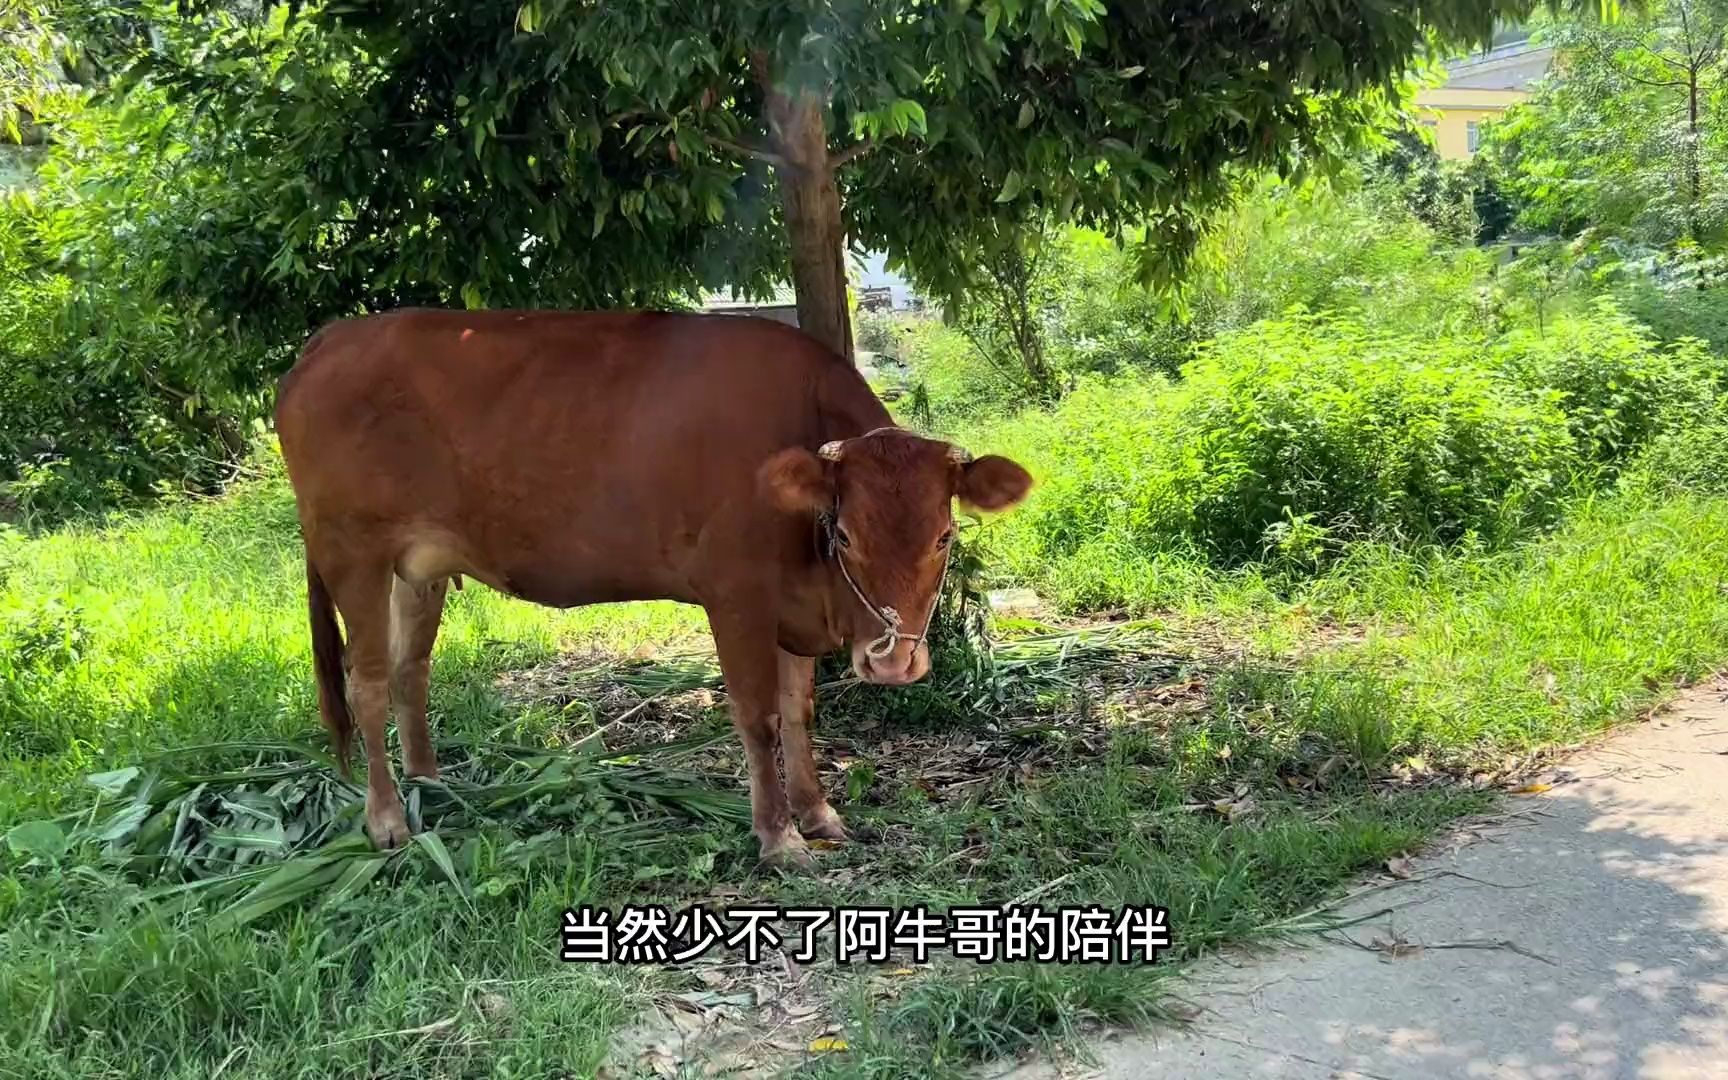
[
  {"x": 1631, "y": 136},
  {"x": 382, "y": 152}
]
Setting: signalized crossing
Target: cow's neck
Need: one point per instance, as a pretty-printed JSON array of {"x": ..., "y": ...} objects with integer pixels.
[
  {"x": 829, "y": 585},
  {"x": 811, "y": 614}
]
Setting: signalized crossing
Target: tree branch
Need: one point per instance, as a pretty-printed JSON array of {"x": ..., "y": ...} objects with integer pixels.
[
  {"x": 745, "y": 151},
  {"x": 1664, "y": 57},
  {"x": 972, "y": 335},
  {"x": 1655, "y": 82},
  {"x": 1708, "y": 56},
  {"x": 856, "y": 150}
]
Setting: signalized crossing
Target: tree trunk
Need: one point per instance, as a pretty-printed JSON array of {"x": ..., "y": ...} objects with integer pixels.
[
  {"x": 1694, "y": 180},
  {"x": 810, "y": 201}
]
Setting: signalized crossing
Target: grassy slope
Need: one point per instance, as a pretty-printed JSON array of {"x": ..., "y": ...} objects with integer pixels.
[{"x": 185, "y": 627}]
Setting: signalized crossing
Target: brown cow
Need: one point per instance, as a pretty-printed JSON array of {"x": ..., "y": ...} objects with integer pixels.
[{"x": 579, "y": 458}]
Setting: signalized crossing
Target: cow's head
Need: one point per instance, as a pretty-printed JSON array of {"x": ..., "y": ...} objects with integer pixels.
[{"x": 886, "y": 499}]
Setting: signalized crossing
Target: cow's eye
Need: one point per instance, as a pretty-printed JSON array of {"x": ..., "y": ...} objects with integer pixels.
[
  {"x": 841, "y": 538},
  {"x": 947, "y": 538}
]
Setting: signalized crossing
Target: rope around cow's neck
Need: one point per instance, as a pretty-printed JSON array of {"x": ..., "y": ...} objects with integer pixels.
[{"x": 890, "y": 619}]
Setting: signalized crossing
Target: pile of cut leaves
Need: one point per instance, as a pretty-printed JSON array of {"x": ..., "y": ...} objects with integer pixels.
[{"x": 286, "y": 827}]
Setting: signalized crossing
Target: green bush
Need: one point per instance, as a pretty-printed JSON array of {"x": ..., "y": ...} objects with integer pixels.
[
  {"x": 1350, "y": 247},
  {"x": 1459, "y": 200},
  {"x": 1340, "y": 249},
  {"x": 1686, "y": 311},
  {"x": 1618, "y": 386},
  {"x": 1104, "y": 322},
  {"x": 1314, "y": 423},
  {"x": 1686, "y": 458},
  {"x": 1282, "y": 442},
  {"x": 878, "y": 332},
  {"x": 1097, "y": 467},
  {"x": 953, "y": 383},
  {"x": 110, "y": 392}
]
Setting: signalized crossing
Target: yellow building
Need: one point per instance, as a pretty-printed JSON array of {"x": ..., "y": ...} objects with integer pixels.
[{"x": 1478, "y": 89}]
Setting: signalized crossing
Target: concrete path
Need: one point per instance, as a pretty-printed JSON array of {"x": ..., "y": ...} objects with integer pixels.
[{"x": 1581, "y": 933}]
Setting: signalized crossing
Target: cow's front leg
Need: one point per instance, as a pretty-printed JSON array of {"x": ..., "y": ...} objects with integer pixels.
[
  {"x": 749, "y": 663},
  {"x": 797, "y": 708}
]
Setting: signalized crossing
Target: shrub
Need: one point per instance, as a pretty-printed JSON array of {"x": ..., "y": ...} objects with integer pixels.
[
  {"x": 1685, "y": 458},
  {"x": 1335, "y": 249},
  {"x": 1281, "y": 443},
  {"x": 1054, "y": 306},
  {"x": 1461, "y": 201},
  {"x": 953, "y": 383},
  {"x": 1105, "y": 322},
  {"x": 877, "y": 332},
  {"x": 1617, "y": 385},
  {"x": 1686, "y": 311},
  {"x": 111, "y": 392},
  {"x": 91, "y": 415},
  {"x": 1096, "y": 464},
  {"x": 1051, "y": 304},
  {"x": 1313, "y": 422}
]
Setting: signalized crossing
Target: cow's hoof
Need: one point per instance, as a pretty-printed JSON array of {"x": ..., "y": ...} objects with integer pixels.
[
  {"x": 788, "y": 852},
  {"x": 388, "y": 829},
  {"x": 825, "y": 824}
]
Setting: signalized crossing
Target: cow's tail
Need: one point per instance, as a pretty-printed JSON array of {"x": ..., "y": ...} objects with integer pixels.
[{"x": 329, "y": 665}]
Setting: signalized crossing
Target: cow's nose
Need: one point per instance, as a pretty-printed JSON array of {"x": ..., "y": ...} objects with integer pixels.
[{"x": 901, "y": 667}]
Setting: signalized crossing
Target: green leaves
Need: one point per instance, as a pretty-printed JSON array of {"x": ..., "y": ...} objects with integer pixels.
[
  {"x": 906, "y": 116},
  {"x": 290, "y": 882},
  {"x": 111, "y": 784},
  {"x": 1617, "y": 386},
  {"x": 440, "y": 856},
  {"x": 284, "y": 831},
  {"x": 899, "y": 117},
  {"x": 37, "y": 840},
  {"x": 1613, "y": 145}
]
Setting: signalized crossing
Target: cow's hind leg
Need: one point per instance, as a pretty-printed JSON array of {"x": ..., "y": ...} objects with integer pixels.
[
  {"x": 362, "y": 594},
  {"x": 414, "y": 614},
  {"x": 750, "y": 666},
  {"x": 797, "y": 704}
]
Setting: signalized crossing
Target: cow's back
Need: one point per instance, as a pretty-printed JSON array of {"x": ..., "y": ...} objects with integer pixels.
[{"x": 566, "y": 457}]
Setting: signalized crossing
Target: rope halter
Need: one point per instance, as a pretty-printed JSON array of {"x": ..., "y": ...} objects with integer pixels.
[{"x": 892, "y": 634}]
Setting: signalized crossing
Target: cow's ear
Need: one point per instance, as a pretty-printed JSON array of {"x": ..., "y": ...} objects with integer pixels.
[
  {"x": 992, "y": 483},
  {"x": 796, "y": 481}
]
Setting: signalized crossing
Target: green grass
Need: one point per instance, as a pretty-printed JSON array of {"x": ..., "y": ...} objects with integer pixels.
[
  {"x": 188, "y": 626},
  {"x": 1239, "y": 793}
]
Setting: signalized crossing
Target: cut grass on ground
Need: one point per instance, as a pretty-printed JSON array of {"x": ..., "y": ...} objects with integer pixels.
[{"x": 1237, "y": 781}]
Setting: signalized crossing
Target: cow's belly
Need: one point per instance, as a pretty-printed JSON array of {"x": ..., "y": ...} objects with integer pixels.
[
  {"x": 568, "y": 590},
  {"x": 563, "y": 580}
]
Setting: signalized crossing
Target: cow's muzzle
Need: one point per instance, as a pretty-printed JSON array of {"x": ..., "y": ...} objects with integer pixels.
[{"x": 904, "y": 664}]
